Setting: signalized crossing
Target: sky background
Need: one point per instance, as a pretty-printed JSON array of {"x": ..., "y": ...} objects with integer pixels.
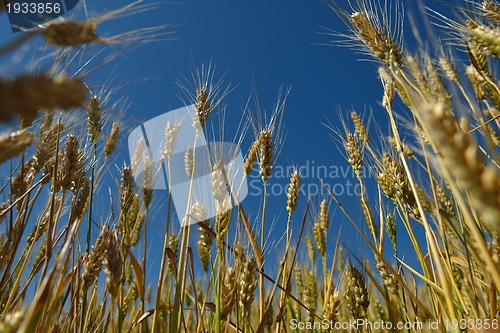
[{"x": 258, "y": 47}]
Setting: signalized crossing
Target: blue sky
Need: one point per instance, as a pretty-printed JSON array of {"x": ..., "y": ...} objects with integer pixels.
[
  {"x": 266, "y": 45},
  {"x": 258, "y": 46}
]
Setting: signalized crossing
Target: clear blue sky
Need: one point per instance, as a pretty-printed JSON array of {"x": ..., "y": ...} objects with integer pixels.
[{"x": 266, "y": 44}]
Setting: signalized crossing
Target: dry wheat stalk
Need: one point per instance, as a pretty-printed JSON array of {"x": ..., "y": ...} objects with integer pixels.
[
  {"x": 126, "y": 191},
  {"x": 173, "y": 243},
  {"x": 324, "y": 217},
  {"x": 355, "y": 156},
  {"x": 360, "y": 127},
  {"x": 265, "y": 154},
  {"x": 129, "y": 222},
  {"x": 219, "y": 182},
  {"x": 311, "y": 252},
  {"x": 70, "y": 33},
  {"x": 47, "y": 144},
  {"x": 387, "y": 277},
  {"x": 331, "y": 310},
  {"x": 491, "y": 9},
  {"x": 71, "y": 167},
  {"x": 171, "y": 134},
  {"x": 93, "y": 261},
  {"x": 461, "y": 155},
  {"x": 449, "y": 69},
  {"x": 13, "y": 144},
  {"x": 487, "y": 38},
  {"x": 222, "y": 219},
  {"x": 94, "y": 119},
  {"x": 228, "y": 292},
  {"x": 376, "y": 39},
  {"x": 203, "y": 107},
  {"x": 139, "y": 154},
  {"x": 23, "y": 179},
  {"x": 406, "y": 149},
  {"x": 389, "y": 87},
  {"x": 357, "y": 298},
  {"x": 205, "y": 242},
  {"x": 320, "y": 240},
  {"x": 27, "y": 95},
  {"x": 293, "y": 192},
  {"x": 477, "y": 82},
  {"x": 310, "y": 295},
  {"x": 113, "y": 266},
  {"x": 252, "y": 157},
  {"x": 78, "y": 210},
  {"x": 147, "y": 186},
  {"x": 112, "y": 140},
  {"x": 247, "y": 284},
  {"x": 189, "y": 162}
]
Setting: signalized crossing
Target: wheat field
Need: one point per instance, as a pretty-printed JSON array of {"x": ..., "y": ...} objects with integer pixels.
[{"x": 65, "y": 266}]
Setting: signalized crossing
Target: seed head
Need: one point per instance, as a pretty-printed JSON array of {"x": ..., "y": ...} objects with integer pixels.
[
  {"x": 265, "y": 154},
  {"x": 389, "y": 87},
  {"x": 252, "y": 157},
  {"x": 310, "y": 295},
  {"x": 71, "y": 167},
  {"x": 26, "y": 95},
  {"x": 205, "y": 242},
  {"x": 477, "y": 82},
  {"x": 491, "y": 10},
  {"x": 126, "y": 191},
  {"x": 320, "y": 240},
  {"x": 203, "y": 107},
  {"x": 171, "y": 134},
  {"x": 219, "y": 181},
  {"x": 487, "y": 38},
  {"x": 324, "y": 218},
  {"x": 360, "y": 128},
  {"x": 355, "y": 156},
  {"x": 223, "y": 218},
  {"x": 139, "y": 154},
  {"x": 310, "y": 249},
  {"x": 113, "y": 266},
  {"x": 147, "y": 188},
  {"x": 78, "y": 210},
  {"x": 449, "y": 70},
  {"x": 173, "y": 243},
  {"x": 94, "y": 119},
  {"x": 390, "y": 225},
  {"x": 228, "y": 291},
  {"x": 70, "y": 33},
  {"x": 293, "y": 192},
  {"x": 331, "y": 310},
  {"x": 406, "y": 149},
  {"x": 376, "y": 40},
  {"x": 248, "y": 283},
  {"x": 356, "y": 294},
  {"x": 188, "y": 162},
  {"x": 112, "y": 140},
  {"x": 445, "y": 202},
  {"x": 388, "y": 278},
  {"x": 13, "y": 144},
  {"x": 93, "y": 261}
]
